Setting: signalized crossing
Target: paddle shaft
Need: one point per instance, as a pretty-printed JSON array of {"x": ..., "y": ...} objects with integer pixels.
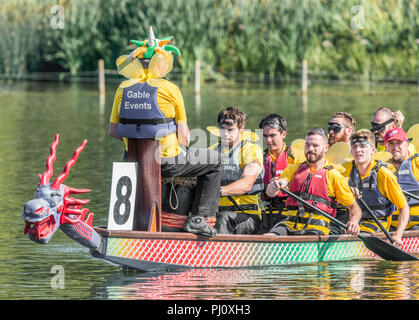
[
  {"x": 381, "y": 125},
  {"x": 376, "y": 219},
  {"x": 339, "y": 223},
  {"x": 410, "y": 195}
]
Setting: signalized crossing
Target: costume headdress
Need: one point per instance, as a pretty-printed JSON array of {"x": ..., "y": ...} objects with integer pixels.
[{"x": 157, "y": 50}]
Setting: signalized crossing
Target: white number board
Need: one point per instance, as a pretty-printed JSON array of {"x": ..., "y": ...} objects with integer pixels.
[{"x": 122, "y": 200}]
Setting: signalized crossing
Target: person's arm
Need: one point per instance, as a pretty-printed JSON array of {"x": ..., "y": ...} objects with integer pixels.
[
  {"x": 404, "y": 215},
  {"x": 113, "y": 130},
  {"x": 275, "y": 186},
  {"x": 113, "y": 123},
  {"x": 282, "y": 181},
  {"x": 183, "y": 134},
  {"x": 398, "y": 119},
  {"x": 338, "y": 187},
  {"x": 245, "y": 183},
  {"x": 355, "y": 215},
  {"x": 390, "y": 188}
]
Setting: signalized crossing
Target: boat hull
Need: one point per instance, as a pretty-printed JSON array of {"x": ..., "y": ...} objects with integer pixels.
[{"x": 150, "y": 251}]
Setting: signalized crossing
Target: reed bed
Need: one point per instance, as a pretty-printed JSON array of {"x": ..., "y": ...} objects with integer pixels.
[{"x": 357, "y": 39}]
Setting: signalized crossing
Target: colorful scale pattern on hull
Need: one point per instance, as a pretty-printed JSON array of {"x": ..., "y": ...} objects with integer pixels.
[
  {"x": 211, "y": 254},
  {"x": 205, "y": 254}
]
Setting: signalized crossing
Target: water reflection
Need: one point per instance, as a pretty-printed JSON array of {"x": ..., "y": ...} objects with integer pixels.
[{"x": 340, "y": 280}]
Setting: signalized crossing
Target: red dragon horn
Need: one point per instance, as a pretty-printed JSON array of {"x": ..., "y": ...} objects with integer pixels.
[
  {"x": 44, "y": 178},
  {"x": 70, "y": 163}
]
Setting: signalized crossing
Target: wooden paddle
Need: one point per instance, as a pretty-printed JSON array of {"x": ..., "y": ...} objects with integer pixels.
[
  {"x": 378, "y": 246},
  {"x": 411, "y": 195}
]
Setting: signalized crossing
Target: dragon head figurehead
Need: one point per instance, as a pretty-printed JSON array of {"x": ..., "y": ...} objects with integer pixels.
[{"x": 52, "y": 205}]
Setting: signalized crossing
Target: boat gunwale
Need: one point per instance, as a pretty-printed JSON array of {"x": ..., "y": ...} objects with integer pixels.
[{"x": 236, "y": 237}]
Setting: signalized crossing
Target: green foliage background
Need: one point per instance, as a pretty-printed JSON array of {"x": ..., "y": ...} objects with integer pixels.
[{"x": 266, "y": 37}]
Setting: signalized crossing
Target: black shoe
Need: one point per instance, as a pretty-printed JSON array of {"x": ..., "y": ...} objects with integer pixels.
[{"x": 198, "y": 225}]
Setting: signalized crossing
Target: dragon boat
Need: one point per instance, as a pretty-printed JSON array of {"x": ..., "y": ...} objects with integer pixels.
[{"x": 134, "y": 238}]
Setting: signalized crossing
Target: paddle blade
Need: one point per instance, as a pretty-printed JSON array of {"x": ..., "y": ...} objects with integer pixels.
[
  {"x": 385, "y": 250},
  {"x": 297, "y": 150},
  {"x": 339, "y": 153},
  {"x": 413, "y": 133},
  {"x": 382, "y": 155}
]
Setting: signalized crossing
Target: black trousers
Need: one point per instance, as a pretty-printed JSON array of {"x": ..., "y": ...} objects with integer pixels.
[
  {"x": 231, "y": 222},
  {"x": 206, "y": 166}
]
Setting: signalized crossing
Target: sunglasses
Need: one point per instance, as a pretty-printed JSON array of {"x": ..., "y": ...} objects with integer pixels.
[
  {"x": 378, "y": 127},
  {"x": 335, "y": 127},
  {"x": 363, "y": 141},
  {"x": 228, "y": 122}
]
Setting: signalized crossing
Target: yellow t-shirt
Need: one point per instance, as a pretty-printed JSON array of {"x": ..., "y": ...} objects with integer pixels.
[
  {"x": 251, "y": 152},
  {"x": 170, "y": 101},
  {"x": 337, "y": 185},
  {"x": 386, "y": 181}
]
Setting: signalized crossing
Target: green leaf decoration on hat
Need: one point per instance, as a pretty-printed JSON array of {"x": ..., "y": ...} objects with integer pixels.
[
  {"x": 152, "y": 45},
  {"x": 158, "y": 50}
]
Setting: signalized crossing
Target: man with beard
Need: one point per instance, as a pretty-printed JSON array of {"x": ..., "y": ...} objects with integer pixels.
[
  {"x": 317, "y": 183},
  {"x": 377, "y": 185},
  {"x": 406, "y": 167},
  {"x": 341, "y": 127},
  {"x": 242, "y": 176}
]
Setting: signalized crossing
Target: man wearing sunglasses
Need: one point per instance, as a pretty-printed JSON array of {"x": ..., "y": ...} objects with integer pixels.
[
  {"x": 341, "y": 127},
  {"x": 380, "y": 116},
  {"x": 406, "y": 167},
  {"x": 377, "y": 185}
]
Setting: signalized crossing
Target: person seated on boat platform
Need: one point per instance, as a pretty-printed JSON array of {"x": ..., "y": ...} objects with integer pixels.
[
  {"x": 381, "y": 115},
  {"x": 276, "y": 158},
  {"x": 377, "y": 185},
  {"x": 153, "y": 108},
  {"x": 406, "y": 167},
  {"x": 317, "y": 183},
  {"x": 242, "y": 176}
]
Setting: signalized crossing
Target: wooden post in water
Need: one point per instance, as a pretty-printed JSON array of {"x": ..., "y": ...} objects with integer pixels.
[
  {"x": 197, "y": 83},
  {"x": 101, "y": 68},
  {"x": 304, "y": 78},
  {"x": 147, "y": 214},
  {"x": 197, "y": 76}
]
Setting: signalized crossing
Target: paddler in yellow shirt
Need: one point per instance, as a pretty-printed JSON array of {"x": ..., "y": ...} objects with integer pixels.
[
  {"x": 377, "y": 185},
  {"x": 406, "y": 167},
  {"x": 317, "y": 183},
  {"x": 242, "y": 177},
  {"x": 146, "y": 106}
]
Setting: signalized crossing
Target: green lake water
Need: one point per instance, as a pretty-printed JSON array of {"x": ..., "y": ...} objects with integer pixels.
[{"x": 31, "y": 113}]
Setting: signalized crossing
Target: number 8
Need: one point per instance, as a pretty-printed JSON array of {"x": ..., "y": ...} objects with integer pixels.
[{"x": 122, "y": 199}]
